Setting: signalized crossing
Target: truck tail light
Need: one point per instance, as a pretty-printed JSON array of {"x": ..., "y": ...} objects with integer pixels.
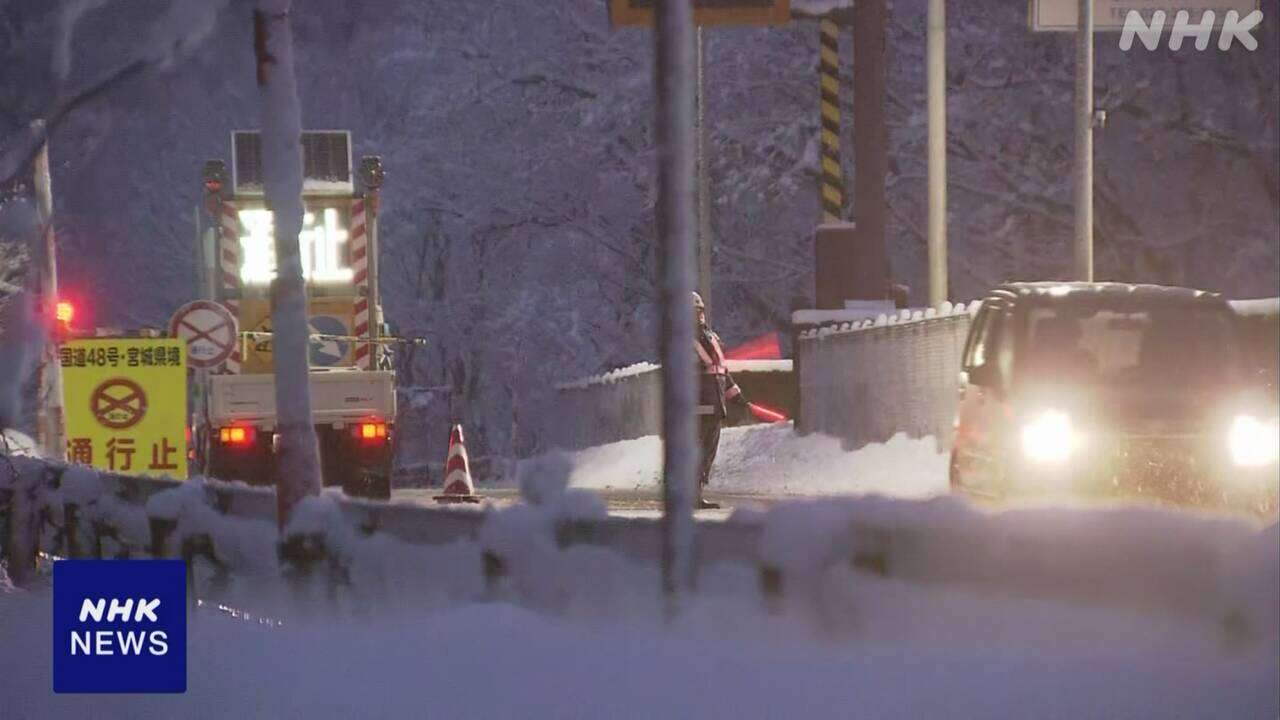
[
  {"x": 370, "y": 431},
  {"x": 238, "y": 435}
]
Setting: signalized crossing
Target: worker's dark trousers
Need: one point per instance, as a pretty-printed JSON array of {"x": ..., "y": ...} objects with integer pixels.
[{"x": 709, "y": 442}]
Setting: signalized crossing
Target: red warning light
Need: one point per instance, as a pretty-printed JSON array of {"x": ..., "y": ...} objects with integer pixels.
[{"x": 65, "y": 311}]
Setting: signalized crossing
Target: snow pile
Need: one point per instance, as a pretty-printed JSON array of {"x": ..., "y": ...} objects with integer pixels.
[
  {"x": 757, "y": 366},
  {"x": 771, "y": 460},
  {"x": 915, "y": 653},
  {"x": 13, "y": 442},
  {"x": 911, "y": 608}
]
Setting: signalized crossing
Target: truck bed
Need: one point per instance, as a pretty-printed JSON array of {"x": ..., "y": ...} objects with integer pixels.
[{"x": 336, "y": 396}]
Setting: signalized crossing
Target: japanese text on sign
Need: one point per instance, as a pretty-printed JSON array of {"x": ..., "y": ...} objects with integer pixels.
[{"x": 126, "y": 402}]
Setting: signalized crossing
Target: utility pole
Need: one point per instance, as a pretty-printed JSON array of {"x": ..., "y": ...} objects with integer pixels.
[
  {"x": 1083, "y": 178},
  {"x": 50, "y": 428},
  {"x": 705, "y": 240},
  {"x": 870, "y": 149},
  {"x": 674, "y": 124},
  {"x": 282, "y": 169},
  {"x": 936, "y": 82}
]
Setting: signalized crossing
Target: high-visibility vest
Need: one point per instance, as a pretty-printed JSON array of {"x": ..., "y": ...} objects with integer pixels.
[{"x": 716, "y": 385}]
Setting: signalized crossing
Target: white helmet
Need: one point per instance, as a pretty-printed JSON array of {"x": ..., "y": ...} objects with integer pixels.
[{"x": 697, "y": 302}]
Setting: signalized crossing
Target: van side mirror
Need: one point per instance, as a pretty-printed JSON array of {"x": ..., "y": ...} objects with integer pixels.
[{"x": 985, "y": 375}]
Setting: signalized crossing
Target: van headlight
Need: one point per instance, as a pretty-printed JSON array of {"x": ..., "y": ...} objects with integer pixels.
[
  {"x": 1048, "y": 437},
  {"x": 1254, "y": 442}
]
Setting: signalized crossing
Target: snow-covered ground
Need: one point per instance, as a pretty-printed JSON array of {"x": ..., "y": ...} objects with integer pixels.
[
  {"x": 895, "y": 651},
  {"x": 773, "y": 460},
  {"x": 1039, "y": 612}
]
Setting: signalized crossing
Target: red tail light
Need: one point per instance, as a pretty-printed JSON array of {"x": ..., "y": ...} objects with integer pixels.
[
  {"x": 236, "y": 435},
  {"x": 370, "y": 431}
]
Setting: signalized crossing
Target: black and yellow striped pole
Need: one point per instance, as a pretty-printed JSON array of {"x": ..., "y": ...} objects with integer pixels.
[{"x": 829, "y": 70}]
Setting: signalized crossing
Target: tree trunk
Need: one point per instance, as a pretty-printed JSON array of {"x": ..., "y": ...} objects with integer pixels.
[
  {"x": 674, "y": 94},
  {"x": 299, "y": 453}
]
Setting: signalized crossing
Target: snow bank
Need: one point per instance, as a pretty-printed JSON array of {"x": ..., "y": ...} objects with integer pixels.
[
  {"x": 756, "y": 366},
  {"x": 918, "y": 654},
  {"x": 770, "y": 460}
]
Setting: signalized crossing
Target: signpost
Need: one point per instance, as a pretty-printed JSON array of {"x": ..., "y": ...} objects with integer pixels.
[
  {"x": 209, "y": 331},
  {"x": 126, "y": 404},
  {"x": 639, "y": 13},
  {"x": 1109, "y": 15},
  {"x": 211, "y": 334}
]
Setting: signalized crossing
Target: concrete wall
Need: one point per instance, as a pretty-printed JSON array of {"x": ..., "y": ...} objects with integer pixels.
[
  {"x": 627, "y": 403},
  {"x": 865, "y": 382}
]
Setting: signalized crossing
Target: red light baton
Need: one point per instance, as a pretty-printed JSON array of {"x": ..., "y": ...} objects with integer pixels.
[{"x": 764, "y": 414}]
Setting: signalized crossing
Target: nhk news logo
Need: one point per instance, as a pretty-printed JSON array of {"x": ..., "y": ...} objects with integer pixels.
[
  {"x": 1232, "y": 27},
  {"x": 119, "y": 626}
]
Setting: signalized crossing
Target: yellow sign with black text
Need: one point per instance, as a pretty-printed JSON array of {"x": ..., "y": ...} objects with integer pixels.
[{"x": 126, "y": 404}]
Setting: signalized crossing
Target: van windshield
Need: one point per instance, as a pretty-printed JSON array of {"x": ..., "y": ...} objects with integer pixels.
[{"x": 1099, "y": 345}]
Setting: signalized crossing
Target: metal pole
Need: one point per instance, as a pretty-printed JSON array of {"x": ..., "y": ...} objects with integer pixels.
[
  {"x": 674, "y": 96},
  {"x": 936, "y": 81},
  {"x": 704, "y": 181},
  {"x": 49, "y": 422},
  {"x": 1084, "y": 144}
]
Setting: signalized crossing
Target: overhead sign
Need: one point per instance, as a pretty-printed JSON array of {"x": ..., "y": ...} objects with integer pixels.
[
  {"x": 639, "y": 13},
  {"x": 322, "y": 243},
  {"x": 209, "y": 331},
  {"x": 126, "y": 404},
  {"x": 1109, "y": 15}
]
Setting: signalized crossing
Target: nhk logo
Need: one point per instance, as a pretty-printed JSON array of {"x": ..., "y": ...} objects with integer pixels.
[
  {"x": 1233, "y": 28},
  {"x": 119, "y": 626},
  {"x": 110, "y": 642}
]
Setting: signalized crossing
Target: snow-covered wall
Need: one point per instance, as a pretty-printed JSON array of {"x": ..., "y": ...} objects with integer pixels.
[{"x": 865, "y": 382}]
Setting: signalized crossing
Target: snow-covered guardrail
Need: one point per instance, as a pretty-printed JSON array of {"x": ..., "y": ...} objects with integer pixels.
[
  {"x": 866, "y": 381},
  {"x": 808, "y": 556}
]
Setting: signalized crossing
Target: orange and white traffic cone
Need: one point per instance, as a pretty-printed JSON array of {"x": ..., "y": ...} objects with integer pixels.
[{"x": 457, "y": 472}]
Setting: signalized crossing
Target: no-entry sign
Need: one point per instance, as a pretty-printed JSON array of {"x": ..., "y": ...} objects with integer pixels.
[
  {"x": 208, "y": 329},
  {"x": 126, "y": 404}
]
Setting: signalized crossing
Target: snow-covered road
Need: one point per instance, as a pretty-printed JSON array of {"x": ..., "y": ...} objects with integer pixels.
[{"x": 756, "y": 466}]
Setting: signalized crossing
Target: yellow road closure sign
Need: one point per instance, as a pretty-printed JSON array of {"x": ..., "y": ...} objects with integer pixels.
[{"x": 126, "y": 404}]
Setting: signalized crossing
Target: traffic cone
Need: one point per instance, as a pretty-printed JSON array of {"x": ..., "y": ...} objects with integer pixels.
[{"x": 457, "y": 472}]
